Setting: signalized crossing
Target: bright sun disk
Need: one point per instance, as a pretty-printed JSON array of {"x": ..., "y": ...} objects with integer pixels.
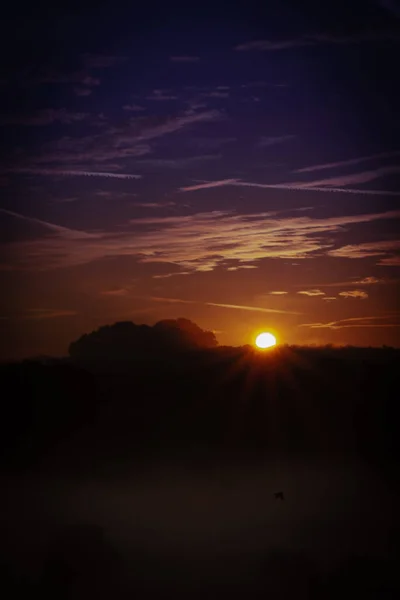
[{"x": 265, "y": 340}]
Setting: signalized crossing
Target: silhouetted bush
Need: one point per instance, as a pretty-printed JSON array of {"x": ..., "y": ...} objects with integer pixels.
[{"x": 125, "y": 340}]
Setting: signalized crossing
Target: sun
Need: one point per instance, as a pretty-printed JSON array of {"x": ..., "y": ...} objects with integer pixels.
[{"x": 265, "y": 340}]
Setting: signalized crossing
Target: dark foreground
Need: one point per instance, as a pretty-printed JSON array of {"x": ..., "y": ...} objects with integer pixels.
[{"x": 157, "y": 478}]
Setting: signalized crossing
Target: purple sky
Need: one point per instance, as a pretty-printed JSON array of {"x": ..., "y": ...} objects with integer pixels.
[{"x": 236, "y": 167}]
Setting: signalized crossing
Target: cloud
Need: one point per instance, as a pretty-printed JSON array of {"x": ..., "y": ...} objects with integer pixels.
[
  {"x": 194, "y": 242},
  {"x": 320, "y": 38},
  {"x": 208, "y": 184},
  {"x": 312, "y": 293},
  {"x": 72, "y": 173},
  {"x": 82, "y": 91},
  {"x": 172, "y": 300},
  {"x": 355, "y": 322},
  {"x": 116, "y": 142},
  {"x": 241, "y": 267},
  {"x": 115, "y": 292},
  {"x": 251, "y": 308},
  {"x": 354, "y": 294},
  {"x": 368, "y": 281},
  {"x": 278, "y": 293},
  {"x": 329, "y": 298},
  {"x": 390, "y": 261},
  {"x": 62, "y": 232},
  {"x": 161, "y": 95},
  {"x": 353, "y": 178},
  {"x": 78, "y": 77},
  {"x": 133, "y": 107},
  {"x": 364, "y": 281},
  {"x": 211, "y": 143},
  {"x": 222, "y": 305},
  {"x": 346, "y": 163},
  {"x": 168, "y": 275},
  {"x": 254, "y": 84},
  {"x": 49, "y": 313},
  {"x": 266, "y": 141},
  {"x": 216, "y": 94},
  {"x": 44, "y": 117},
  {"x": 177, "y": 163},
  {"x": 297, "y": 186},
  {"x": 366, "y": 249},
  {"x": 154, "y": 204},
  {"x": 101, "y": 61},
  {"x": 184, "y": 59}
]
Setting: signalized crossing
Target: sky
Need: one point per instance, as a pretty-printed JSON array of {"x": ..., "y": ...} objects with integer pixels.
[{"x": 237, "y": 167}]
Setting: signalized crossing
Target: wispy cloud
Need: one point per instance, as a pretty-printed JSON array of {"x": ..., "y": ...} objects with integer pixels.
[
  {"x": 368, "y": 250},
  {"x": 346, "y": 163},
  {"x": 115, "y": 292},
  {"x": 296, "y": 186},
  {"x": 354, "y": 294},
  {"x": 216, "y": 94},
  {"x": 363, "y": 281},
  {"x": 208, "y": 184},
  {"x": 128, "y": 140},
  {"x": 223, "y": 305},
  {"x": 101, "y": 61},
  {"x": 356, "y": 322},
  {"x": 238, "y": 267},
  {"x": 133, "y": 107},
  {"x": 177, "y": 163},
  {"x": 44, "y": 117},
  {"x": 352, "y": 178},
  {"x": 320, "y": 38},
  {"x": 82, "y": 91},
  {"x": 161, "y": 95},
  {"x": 368, "y": 281},
  {"x": 154, "y": 204},
  {"x": 172, "y": 300},
  {"x": 312, "y": 293},
  {"x": 266, "y": 141},
  {"x": 72, "y": 173},
  {"x": 278, "y": 293},
  {"x": 211, "y": 143},
  {"x": 168, "y": 275},
  {"x": 81, "y": 77},
  {"x": 390, "y": 261},
  {"x": 62, "y": 232},
  {"x": 252, "y": 308},
  {"x": 184, "y": 59},
  {"x": 201, "y": 241}
]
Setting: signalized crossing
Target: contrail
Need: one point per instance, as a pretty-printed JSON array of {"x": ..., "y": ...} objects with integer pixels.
[{"x": 69, "y": 173}]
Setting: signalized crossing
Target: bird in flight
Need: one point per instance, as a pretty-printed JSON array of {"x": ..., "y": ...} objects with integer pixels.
[{"x": 279, "y": 496}]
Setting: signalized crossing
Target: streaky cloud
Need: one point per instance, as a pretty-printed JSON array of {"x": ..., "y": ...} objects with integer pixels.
[
  {"x": 252, "y": 308},
  {"x": 345, "y": 163},
  {"x": 63, "y": 232},
  {"x": 223, "y": 305},
  {"x": 320, "y": 38},
  {"x": 297, "y": 187},
  {"x": 72, "y": 173},
  {"x": 354, "y": 294},
  {"x": 184, "y": 59},
  {"x": 209, "y": 184},
  {"x": 353, "y": 322}
]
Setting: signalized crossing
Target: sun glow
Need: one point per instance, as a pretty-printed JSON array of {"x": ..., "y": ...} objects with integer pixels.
[{"x": 265, "y": 340}]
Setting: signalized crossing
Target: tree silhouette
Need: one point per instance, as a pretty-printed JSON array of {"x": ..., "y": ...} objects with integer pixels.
[{"x": 125, "y": 340}]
